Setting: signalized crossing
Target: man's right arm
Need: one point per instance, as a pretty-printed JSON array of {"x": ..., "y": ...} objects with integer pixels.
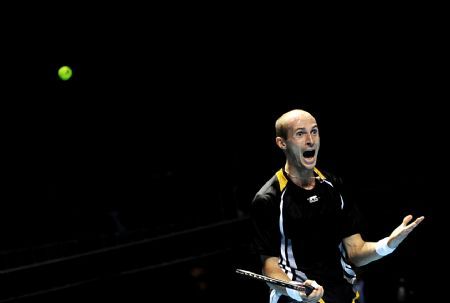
[{"x": 272, "y": 269}]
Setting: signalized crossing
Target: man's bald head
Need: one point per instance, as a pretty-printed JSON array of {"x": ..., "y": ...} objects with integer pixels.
[{"x": 284, "y": 121}]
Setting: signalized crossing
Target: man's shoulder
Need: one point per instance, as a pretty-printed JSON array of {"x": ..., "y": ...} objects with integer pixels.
[
  {"x": 331, "y": 177},
  {"x": 269, "y": 190}
]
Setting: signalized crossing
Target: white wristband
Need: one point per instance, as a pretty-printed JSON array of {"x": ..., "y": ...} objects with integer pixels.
[
  {"x": 382, "y": 247},
  {"x": 314, "y": 284},
  {"x": 294, "y": 294}
]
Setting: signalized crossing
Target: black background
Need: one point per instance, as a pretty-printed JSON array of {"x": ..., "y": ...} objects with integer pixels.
[{"x": 164, "y": 103}]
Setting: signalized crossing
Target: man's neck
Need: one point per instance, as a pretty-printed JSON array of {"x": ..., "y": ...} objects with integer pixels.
[{"x": 301, "y": 177}]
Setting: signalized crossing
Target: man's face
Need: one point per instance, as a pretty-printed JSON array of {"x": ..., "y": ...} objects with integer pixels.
[{"x": 303, "y": 141}]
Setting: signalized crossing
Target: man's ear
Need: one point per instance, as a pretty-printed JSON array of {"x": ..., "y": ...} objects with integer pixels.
[{"x": 280, "y": 142}]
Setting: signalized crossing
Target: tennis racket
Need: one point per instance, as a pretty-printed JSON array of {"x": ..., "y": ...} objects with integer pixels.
[{"x": 305, "y": 288}]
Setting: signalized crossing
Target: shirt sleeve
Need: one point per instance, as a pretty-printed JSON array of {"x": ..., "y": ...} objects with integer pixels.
[
  {"x": 352, "y": 219},
  {"x": 265, "y": 226}
]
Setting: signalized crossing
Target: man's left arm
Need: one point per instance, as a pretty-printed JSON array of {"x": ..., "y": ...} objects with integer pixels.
[{"x": 360, "y": 252}]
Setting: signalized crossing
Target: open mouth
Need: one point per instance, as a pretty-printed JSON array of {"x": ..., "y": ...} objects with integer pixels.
[{"x": 309, "y": 154}]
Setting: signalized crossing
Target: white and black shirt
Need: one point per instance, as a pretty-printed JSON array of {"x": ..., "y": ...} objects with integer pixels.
[{"x": 305, "y": 228}]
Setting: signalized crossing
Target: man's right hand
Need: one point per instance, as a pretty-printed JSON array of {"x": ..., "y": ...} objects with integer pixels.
[{"x": 315, "y": 295}]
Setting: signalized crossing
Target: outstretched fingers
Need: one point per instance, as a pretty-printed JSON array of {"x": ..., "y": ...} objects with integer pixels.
[
  {"x": 403, "y": 230},
  {"x": 407, "y": 219},
  {"x": 411, "y": 226}
]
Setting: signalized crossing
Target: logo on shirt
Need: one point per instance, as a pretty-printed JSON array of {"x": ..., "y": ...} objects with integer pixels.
[{"x": 313, "y": 199}]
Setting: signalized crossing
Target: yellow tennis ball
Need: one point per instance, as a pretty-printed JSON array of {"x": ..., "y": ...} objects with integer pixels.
[{"x": 65, "y": 73}]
